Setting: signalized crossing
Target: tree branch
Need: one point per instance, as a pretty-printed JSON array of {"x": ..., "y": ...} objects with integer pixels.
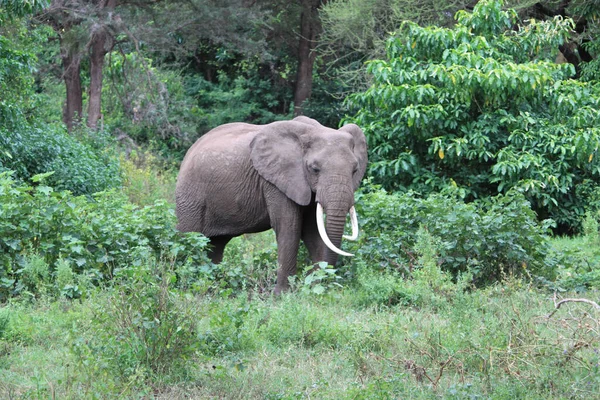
[{"x": 563, "y": 301}]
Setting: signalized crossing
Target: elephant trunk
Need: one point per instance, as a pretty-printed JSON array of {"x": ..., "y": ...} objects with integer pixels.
[
  {"x": 335, "y": 230},
  {"x": 332, "y": 235}
]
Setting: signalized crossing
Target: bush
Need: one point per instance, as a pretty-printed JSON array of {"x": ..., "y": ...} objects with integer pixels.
[
  {"x": 489, "y": 238},
  {"x": 143, "y": 329},
  {"x": 93, "y": 237},
  {"x": 145, "y": 180},
  {"x": 83, "y": 165},
  {"x": 483, "y": 106}
]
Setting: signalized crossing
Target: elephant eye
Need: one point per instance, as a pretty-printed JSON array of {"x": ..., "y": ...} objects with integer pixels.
[{"x": 314, "y": 167}]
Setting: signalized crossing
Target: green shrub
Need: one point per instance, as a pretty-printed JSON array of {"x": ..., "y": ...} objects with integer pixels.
[
  {"x": 224, "y": 330},
  {"x": 93, "y": 237},
  {"x": 83, "y": 164},
  {"x": 143, "y": 329},
  {"x": 489, "y": 238},
  {"x": 483, "y": 105},
  {"x": 296, "y": 321}
]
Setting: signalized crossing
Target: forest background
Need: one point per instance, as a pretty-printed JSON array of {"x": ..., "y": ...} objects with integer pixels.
[{"x": 482, "y": 120}]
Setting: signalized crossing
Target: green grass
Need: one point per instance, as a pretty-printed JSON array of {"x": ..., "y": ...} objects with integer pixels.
[{"x": 488, "y": 343}]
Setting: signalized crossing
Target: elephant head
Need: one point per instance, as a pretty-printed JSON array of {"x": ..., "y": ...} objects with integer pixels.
[{"x": 310, "y": 163}]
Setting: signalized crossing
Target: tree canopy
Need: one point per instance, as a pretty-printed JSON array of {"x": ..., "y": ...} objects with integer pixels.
[
  {"x": 483, "y": 106},
  {"x": 482, "y": 96}
]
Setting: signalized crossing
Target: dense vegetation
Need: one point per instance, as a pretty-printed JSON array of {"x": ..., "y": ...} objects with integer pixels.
[
  {"x": 482, "y": 148},
  {"x": 484, "y": 106}
]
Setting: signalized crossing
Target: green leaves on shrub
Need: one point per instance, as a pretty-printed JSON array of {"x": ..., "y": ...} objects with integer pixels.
[
  {"x": 484, "y": 106},
  {"x": 82, "y": 165},
  {"x": 488, "y": 238},
  {"x": 144, "y": 328},
  {"x": 91, "y": 236}
]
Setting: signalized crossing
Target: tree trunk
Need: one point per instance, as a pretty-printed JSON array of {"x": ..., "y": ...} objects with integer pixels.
[
  {"x": 310, "y": 27},
  {"x": 97, "y": 53},
  {"x": 101, "y": 43},
  {"x": 71, "y": 60}
]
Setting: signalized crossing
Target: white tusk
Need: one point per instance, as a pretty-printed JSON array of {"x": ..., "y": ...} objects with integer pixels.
[
  {"x": 354, "y": 222},
  {"x": 321, "y": 227}
]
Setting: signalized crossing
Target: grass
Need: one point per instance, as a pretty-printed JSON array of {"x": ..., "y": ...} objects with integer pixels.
[{"x": 496, "y": 343}]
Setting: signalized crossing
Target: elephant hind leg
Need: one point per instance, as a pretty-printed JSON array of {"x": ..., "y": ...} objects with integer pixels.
[{"x": 217, "y": 246}]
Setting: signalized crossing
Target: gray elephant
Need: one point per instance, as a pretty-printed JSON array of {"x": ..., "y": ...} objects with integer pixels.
[{"x": 242, "y": 178}]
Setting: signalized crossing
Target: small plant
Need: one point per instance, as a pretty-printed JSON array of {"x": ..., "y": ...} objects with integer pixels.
[
  {"x": 590, "y": 227},
  {"x": 145, "y": 181},
  {"x": 317, "y": 280},
  {"x": 34, "y": 275},
  {"x": 144, "y": 326},
  {"x": 224, "y": 330}
]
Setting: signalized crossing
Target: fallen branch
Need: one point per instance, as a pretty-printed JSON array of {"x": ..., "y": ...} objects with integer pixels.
[{"x": 563, "y": 301}]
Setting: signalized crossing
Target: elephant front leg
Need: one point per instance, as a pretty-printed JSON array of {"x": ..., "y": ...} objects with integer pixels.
[
  {"x": 310, "y": 235},
  {"x": 286, "y": 221},
  {"x": 288, "y": 242}
]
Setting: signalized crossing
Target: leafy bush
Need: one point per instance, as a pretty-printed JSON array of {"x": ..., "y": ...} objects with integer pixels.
[
  {"x": 488, "y": 238},
  {"x": 144, "y": 328},
  {"x": 83, "y": 165},
  {"x": 248, "y": 98},
  {"x": 483, "y": 106},
  {"x": 93, "y": 237}
]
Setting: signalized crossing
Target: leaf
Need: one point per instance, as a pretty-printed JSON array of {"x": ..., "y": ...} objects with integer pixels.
[
  {"x": 318, "y": 289},
  {"x": 41, "y": 177},
  {"x": 45, "y": 189},
  {"x": 441, "y": 154}
]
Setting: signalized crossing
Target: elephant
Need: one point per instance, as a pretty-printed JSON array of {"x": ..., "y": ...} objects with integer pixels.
[{"x": 242, "y": 178}]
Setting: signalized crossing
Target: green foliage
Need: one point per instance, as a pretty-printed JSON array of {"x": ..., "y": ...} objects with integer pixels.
[
  {"x": 93, "y": 237},
  {"x": 478, "y": 237},
  {"x": 143, "y": 329},
  {"x": 20, "y": 8},
  {"x": 83, "y": 164},
  {"x": 300, "y": 323},
  {"x": 145, "y": 179},
  {"x": 246, "y": 98},
  {"x": 223, "y": 330},
  {"x": 318, "y": 279},
  {"x": 147, "y": 105},
  {"x": 16, "y": 65},
  {"x": 423, "y": 283},
  {"x": 356, "y": 30},
  {"x": 577, "y": 259},
  {"x": 483, "y": 106}
]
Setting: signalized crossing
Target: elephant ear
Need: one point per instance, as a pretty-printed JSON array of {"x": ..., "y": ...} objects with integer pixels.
[
  {"x": 360, "y": 151},
  {"x": 277, "y": 154}
]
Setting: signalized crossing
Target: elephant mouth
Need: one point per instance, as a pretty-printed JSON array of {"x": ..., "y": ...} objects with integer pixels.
[{"x": 323, "y": 233}]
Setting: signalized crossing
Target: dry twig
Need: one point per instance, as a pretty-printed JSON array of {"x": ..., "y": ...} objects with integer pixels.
[{"x": 561, "y": 302}]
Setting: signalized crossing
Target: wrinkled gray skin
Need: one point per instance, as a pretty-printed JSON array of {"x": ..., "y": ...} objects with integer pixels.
[{"x": 242, "y": 178}]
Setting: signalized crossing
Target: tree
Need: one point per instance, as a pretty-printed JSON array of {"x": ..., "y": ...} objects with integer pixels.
[
  {"x": 356, "y": 30},
  {"x": 88, "y": 30},
  {"x": 82, "y": 27},
  {"x": 482, "y": 106},
  {"x": 310, "y": 28}
]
